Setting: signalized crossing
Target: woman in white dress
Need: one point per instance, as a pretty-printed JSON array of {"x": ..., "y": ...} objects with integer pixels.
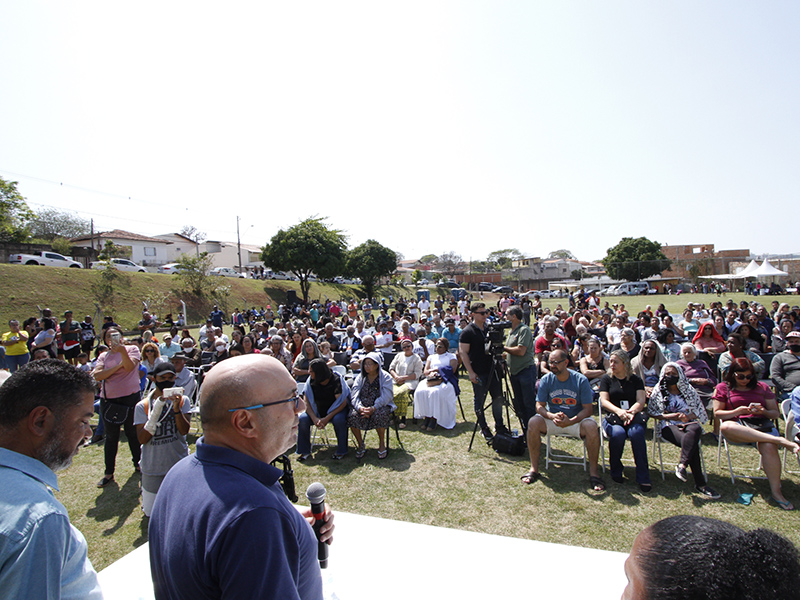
[{"x": 435, "y": 398}]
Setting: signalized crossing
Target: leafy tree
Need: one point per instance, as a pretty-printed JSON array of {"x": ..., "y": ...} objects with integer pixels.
[
  {"x": 193, "y": 272},
  {"x": 429, "y": 259},
  {"x": 14, "y": 213},
  {"x": 370, "y": 261},
  {"x": 449, "y": 263},
  {"x": 563, "y": 253},
  {"x": 635, "y": 258},
  {"x": 310, "y": 247},
  {"x": 416, "y": 275},
  {"x": 62, "y": 246},
  {"x": 501, "y": 259},
  {"x": 104, "y": 289},
  {"x": 51, "y": 223},
  {"x": 577, "y": 274}
]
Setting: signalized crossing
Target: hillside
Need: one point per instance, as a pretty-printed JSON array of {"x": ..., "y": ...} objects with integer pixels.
[{"x": 25, "y": 287}]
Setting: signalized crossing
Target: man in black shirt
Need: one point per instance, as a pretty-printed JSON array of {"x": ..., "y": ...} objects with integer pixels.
[{"x": 472, "y": 348}]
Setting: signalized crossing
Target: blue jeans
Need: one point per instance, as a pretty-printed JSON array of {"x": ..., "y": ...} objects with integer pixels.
[
  {"x": 339, "y": 423},
  {"x": 480, "y": 390},
  {"x": 617, "y": 434},
  {"x": 15, "y": 362},
  {"x": 524, "y": 386}
]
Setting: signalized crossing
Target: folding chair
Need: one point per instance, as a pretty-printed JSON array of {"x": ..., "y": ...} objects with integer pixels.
[
  {"x": 790, "y": 431},
  {"x": 657, "y": 443},
  {"x": 562, "y": 458},
  {"x": 724, "y": 442},
  {"x": 340, "y": 369}
]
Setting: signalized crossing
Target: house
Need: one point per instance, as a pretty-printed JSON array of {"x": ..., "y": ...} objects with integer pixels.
[
  {"x": 180, "y": 245},
  {"x": 226, "y": 254},
  {"x": 144, "y": 250}
]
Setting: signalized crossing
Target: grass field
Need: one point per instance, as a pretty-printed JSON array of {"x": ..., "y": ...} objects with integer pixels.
[{"x": 433, "y": 480}]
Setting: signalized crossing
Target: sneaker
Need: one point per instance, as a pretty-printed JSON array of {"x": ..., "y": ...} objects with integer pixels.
[
  {"x": 487, "y": 435},
  {"x": 502, "y": 430},
  {"x": 680, "y": 473},
  {"x": 708, "y": 492}
]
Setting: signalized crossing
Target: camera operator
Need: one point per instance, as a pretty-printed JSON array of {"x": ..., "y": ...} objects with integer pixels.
[
  {"x": 521, "y": 367},
  {"x": 472, "y": 348}
]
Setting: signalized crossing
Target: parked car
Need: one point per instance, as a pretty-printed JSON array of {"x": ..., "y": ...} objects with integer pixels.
[
  {"x": 485, "y": 286},
  {"x": 227, "y": 272},
  {"x": 269, "y": 274},
  {"x": 45, "y": 259},
  {"x": 448, "y": 284},
  {"x": 169, "y": 269},
  {"x": 608, "y": 291},
  {"x": 120, "y": 264},
  {"x": 503, "y": 289},
  {"x": 423, "y": 282}
]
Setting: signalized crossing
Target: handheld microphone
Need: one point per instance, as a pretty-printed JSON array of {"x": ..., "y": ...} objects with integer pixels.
[{"x": 316, "y": 495}]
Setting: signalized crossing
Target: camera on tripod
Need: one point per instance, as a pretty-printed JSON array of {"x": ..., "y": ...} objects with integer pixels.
[{"x": 495, "y": 338}]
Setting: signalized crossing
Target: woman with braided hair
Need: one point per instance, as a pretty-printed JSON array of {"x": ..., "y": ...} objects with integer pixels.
[
  {"x": 696, "y": 558},
  {"x": 679, "y": 414}
]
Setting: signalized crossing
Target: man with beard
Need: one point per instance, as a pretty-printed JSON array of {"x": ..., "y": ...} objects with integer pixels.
[{"x": 45, "y": 409}]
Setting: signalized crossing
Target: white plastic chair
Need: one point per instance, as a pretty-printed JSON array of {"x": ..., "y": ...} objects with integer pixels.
[
  {"x": 657, "y": 444},
  {"x": 563, "y": 458},
  {"x": 747, "y": 474},
  {"x": 341, "y": 370},
  {"x": 790, "y": 431}
]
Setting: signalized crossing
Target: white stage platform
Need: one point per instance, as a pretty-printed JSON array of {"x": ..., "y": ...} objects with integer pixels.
[{"x": 378, "y": 558}]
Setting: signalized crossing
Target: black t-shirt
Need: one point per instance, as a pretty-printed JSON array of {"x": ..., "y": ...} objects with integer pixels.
[
  {"x": 481, "y": 362},
  {"x": 621, "y": 389},
  {"x": 325, "y": 395}
]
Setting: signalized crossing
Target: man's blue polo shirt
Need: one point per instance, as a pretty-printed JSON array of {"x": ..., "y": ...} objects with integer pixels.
[{"x": 222, "y": 527}]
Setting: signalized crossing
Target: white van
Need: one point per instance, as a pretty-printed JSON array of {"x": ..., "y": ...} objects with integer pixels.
[{"x": 632, "y": 288}]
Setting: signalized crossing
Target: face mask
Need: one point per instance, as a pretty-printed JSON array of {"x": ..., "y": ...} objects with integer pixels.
[
  {"x": 794, "y": 348},
  {"x": 162, "y": 385},
  {"x": 671, "y": 379}
]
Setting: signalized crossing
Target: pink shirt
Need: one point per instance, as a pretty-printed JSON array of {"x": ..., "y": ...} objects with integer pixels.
[{"x": 120, "y": 383}]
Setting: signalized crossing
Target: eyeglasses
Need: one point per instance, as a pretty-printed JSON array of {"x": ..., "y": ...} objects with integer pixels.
[
  {"x": 743, "y": 376},
  {"x": 297, "y": 398},
  {"x": 555, "y": 362},
  {"x": 480, "y": 312}
]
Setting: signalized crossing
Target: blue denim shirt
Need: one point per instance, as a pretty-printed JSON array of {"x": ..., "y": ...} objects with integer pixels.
[{"x": 41, "y": 554}]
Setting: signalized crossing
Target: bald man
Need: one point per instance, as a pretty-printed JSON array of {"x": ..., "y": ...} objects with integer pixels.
[{"x": 222, "y": 526}]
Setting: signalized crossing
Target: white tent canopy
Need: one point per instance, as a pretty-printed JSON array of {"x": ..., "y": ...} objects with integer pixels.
[
  {"x": 767, "y": 270},
  {"x": 748, "y": 271}
]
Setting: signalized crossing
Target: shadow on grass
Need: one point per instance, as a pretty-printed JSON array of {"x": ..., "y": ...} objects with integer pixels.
[
  {"x": 144, "y": 526},
  {"x": 116, "y": 502}
]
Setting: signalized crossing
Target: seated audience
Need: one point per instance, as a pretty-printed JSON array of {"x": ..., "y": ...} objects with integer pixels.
[
  {"x": 371, "y": 404},
  {"x": 785, "y": 366},
  {"x": 708, "y": 339},
  {"x": 326, "y": 395},
  {"x": 435, "y": 398},
  {"x": 406, "y": 371},
  {"x": 736, "y": 349},
  {"x": 648, "y": 364}
]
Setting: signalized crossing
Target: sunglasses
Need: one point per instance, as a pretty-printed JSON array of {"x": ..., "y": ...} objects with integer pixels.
[
  {"x": 297, "y": 398},
  {"x": 743, "y": 376},
  {"x": 480, "y": 312}
]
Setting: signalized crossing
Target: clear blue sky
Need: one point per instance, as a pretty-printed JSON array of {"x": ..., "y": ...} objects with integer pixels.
[{"x": 429, "y": 126}]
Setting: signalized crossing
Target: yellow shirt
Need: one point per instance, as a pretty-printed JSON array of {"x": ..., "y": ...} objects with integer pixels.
[{"x": 21, "y": 347}]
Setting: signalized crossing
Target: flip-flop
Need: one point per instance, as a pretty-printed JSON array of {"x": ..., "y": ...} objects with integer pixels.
[
  {"x": 598, "y": 485},
  {"x": 783, "y": 505},
  {"x": 531, "y": 477},
  {"x": 383, "y": 454},
  {"x": 362, "y": 450}
]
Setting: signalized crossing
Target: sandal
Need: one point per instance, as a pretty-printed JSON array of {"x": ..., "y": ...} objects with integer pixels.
[
  {"x": 598, "y": 485},
  {"x": 105, "y": 481},
  {"x": 383, "y": 453},
  {"x": 783, "y": 505},
  {"x": 362, "y": 450},
  {"x": 531, "y": 477}
]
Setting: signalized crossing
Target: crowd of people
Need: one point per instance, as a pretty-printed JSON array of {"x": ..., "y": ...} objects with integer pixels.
[{"x": 359, "y": 366}]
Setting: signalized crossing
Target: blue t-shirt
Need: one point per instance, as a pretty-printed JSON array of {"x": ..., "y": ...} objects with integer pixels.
[
  {"x": 223, "y": 528},
  {"x": 568, "y": 396}
]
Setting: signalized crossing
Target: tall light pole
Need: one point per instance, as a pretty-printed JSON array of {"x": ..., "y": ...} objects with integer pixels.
[{"x": 239, "y": 243}]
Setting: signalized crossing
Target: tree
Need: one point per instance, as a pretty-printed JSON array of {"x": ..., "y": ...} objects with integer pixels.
[
  {"x": 562, "y": 253},
  {"x": 429, "y": 259},
  {"x": 634, "y": 259},
  {"x": 191, "y": 232},
  {"x": 310, "y": 247},
  {"x": 104, "y": 289},
  {"x": 370, "y": 261},
  {"x": 449, "y": 263},
  {"x": 501, "y": 259},
  {"x": 14, "y": 213},
  {"x": 193, "y": 272},
  {"x": 416, "y": 276},
  {"x": 51, "y": 223}
]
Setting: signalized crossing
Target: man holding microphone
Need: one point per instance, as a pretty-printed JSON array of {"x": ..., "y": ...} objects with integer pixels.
[{"x": 222, "y": 526}]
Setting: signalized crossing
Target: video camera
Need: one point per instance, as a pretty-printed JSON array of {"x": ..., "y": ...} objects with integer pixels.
[{"x": 495, "y": 337}]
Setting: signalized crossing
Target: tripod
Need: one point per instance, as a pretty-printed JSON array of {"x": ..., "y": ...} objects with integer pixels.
[{"x": 500, "y": 371}]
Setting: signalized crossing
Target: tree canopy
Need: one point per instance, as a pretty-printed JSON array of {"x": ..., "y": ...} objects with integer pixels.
[
  {"x": 635, "y": 258},
  {"x": 370, "y": 261},
  {"x": 310, "y": 247},
  {"x": 562, "y": 253},
  {"x": 14, "y": 213},
  {"x": 449, "y": 263},
  {"x": 501, "y": 259},
  {"x": 429, "y": 259},
  {"x": 51, "y": 223}
]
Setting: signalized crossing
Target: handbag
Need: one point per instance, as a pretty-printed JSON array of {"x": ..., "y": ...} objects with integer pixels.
[
  {"x": 762, "y": 424},
  {"x": 509, "y": 444},
  {"x": 116, "y": 414}
]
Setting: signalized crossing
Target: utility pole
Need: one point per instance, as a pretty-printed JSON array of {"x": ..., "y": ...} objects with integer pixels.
[{"x": 239, "y": 243}]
